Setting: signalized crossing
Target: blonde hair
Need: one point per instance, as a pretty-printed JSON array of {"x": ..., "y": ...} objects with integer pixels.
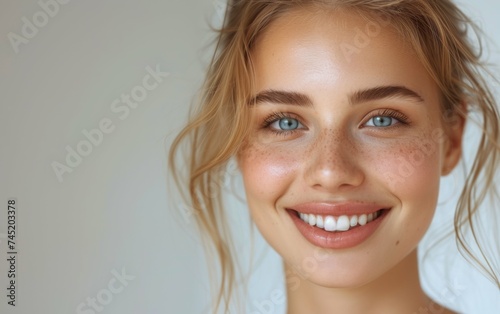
[{"x": 436, "y": 30}]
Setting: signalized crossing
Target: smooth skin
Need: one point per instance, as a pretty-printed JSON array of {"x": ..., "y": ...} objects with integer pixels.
[{"x": 314, "y": 140}]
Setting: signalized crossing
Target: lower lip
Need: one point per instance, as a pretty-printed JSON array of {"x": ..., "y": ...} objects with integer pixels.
[{"x": 336, "y": 240}]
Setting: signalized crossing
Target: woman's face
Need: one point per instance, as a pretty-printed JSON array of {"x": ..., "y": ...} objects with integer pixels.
[{"x": 346, "y": 136}]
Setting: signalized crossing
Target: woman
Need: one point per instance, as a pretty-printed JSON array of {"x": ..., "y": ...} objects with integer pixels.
[{"x": 342, "y": 116}]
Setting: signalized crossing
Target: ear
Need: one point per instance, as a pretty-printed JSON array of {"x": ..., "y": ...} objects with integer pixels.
[{"x": 452, "y": 146}]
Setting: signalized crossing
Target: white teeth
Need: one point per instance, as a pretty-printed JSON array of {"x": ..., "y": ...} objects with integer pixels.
[
  {"x": 354, "y": 220},
  {"x": 319, "y": 222},
  {"x": 342, "y": 223},
  {"x": 370, "y": 217},
  {"x": 312, "y": 220},
  {"x": 330, "y": 224},
  {"x": 362, "y": 220}
]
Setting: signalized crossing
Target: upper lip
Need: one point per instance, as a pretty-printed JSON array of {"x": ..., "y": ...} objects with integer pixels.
[{"x": 338, "y": 209}]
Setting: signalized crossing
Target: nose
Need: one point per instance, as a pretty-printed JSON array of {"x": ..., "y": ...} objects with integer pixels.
[{"x": 334, "y": 164}]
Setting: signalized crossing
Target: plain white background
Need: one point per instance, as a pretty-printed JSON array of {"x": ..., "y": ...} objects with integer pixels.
[{"x": 113, "y": 214}]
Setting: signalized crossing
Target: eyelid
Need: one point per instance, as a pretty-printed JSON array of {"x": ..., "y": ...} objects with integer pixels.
[
  {"x": 395, "y": 114},
  {"x": 275, "y": 116}
]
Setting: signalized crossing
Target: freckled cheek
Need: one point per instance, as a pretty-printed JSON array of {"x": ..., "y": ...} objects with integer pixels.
[
  {"x": 411, "y": 174},
  {"x": 411, "y": 170},
  {"x": 268, "y": 172}
]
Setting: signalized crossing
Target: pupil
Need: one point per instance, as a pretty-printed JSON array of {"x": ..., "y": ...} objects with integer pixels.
[
  {"x": 382, "y": 121},
  {"x": 288, "y": 124}
]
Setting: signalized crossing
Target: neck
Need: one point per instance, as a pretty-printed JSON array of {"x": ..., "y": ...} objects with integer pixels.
[{"x": 397, "y": 291}]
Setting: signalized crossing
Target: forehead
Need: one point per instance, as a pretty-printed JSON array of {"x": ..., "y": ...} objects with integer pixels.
[{"x": 316, "y": 49}]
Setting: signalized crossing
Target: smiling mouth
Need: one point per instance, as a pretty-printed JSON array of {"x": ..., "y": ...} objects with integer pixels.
[{"x": 339, "y": 223}]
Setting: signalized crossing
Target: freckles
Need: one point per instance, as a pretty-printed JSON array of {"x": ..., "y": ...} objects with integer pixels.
[
  {"x": 412, "y": 175},
  {"x": 329, "y": 141},
  {"x": 267, "y": 170},
  {"x": 411, "y": 165}
]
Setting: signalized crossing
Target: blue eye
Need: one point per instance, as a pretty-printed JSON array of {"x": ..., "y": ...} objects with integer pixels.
[
  {"x": 286, "y": 124},
  {"x": 382, "y": 121},
  {"x": 283, "y": 123}
]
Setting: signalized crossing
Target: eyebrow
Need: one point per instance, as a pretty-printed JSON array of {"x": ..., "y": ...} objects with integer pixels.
[
  {"x": 298, "y": 99},
  {"x": 281, "y": 97},
  {"x": 383, "y": 92}
]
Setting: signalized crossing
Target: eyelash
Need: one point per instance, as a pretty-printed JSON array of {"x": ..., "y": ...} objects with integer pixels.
[
  {"x": 390, "y": 113},
  {"x": 275, "y": 116}
]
